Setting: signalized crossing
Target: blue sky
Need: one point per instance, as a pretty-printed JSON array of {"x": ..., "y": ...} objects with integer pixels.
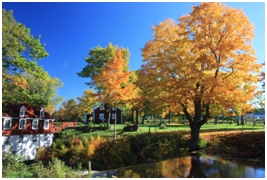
[{"x": 70, "y": 30}]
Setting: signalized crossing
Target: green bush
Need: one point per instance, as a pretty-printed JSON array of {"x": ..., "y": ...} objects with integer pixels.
[
  {"x": 13, "y": 166},
  {"x": 102, "y": 125},
  {"x": 16, "y": 170},
  {"x": 202, "y": 143},
  {"x": 55, "y": 169},
  {"x": 215, "y": 143},
  {"x": 106, "y": 154},
  {"x": 162, "y": 126}
]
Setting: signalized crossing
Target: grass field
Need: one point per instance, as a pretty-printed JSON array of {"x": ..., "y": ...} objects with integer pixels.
[{"x": 154, "y": 128}]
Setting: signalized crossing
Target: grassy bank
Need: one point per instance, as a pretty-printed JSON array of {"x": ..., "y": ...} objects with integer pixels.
[
  {"x": 246, "y": 145},
  {"x": 71, "y": 153},
  {"x": 155, "y": 128}
]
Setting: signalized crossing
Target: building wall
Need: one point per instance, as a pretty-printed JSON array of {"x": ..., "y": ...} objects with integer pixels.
[
  {"x": 26, "y": 144},
  {"x": 97, "y": 113},
  {"x": 28, "y": 130},
  {"x": 118, "y": 117},
  {"x": 26, "y": 141},
  {"x": 68, "y": 124},
  {"x": 248, "y": 115}
]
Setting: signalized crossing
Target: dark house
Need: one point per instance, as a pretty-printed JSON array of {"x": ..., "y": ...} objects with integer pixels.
[{"x": 101, "y": 114}]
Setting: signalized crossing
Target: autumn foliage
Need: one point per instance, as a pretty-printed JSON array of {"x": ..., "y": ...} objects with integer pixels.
[
  {"x": 204, "y": 59},
  {"x": 114, "y": 82},
  {"x": 147, "y": 147}
]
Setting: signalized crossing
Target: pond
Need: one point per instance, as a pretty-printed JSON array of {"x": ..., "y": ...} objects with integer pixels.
[{"x": 191, "y": 167}]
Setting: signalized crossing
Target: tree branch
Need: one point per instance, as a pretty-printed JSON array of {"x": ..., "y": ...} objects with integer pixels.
[
  {"x": 233, "y": 70},
  {"x": 187, "y": 115}
]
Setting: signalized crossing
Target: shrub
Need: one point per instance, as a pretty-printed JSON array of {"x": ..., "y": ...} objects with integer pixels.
[
  {"x": 16, "y": 170},
  {"x": 162, "y": 126},
  {"x": 43, "y": 154},
  {"x": 107, "y": 154},
  {"x": 202, "y": 143},
  {"x": 131, "y": 127},
  {"x": 102, "y": 125},
  {"x": 216, "y": 143},
  {"x": 55, "y": 169},
  {"x": 13, "y": 166}
]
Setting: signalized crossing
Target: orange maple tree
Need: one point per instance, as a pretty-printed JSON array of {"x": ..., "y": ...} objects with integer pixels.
[
  {"x": 114, "y": 82},
  {"x": 203, "y": 59}
]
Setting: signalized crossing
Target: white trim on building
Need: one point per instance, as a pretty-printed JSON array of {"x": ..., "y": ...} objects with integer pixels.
[
  {"x": 7, "y": 123},
  {"x": 46, "y": 124},
  {"x": 22, "y": 123},
  {"x": 35, "y": 123}
]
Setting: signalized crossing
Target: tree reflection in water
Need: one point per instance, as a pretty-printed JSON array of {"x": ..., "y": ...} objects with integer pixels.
[{"x": 193, "y": 167}]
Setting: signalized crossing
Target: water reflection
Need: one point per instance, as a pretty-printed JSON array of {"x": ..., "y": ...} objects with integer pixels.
[
  {"x": 227, "y": 169},
  {"x": 193, "y": 167}
]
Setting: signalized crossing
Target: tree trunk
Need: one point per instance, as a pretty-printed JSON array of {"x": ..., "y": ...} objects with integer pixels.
[
  {"x": 161, "y": 121},
  {"x": 237, "y": 121},
  {"x": 109, "y": 116},
  {"x": 143, "y": 119},
  {"x": 216, "y": 119},
  {"x": 169, "y": 117},
  {"x": 132, "y": 116},
  {"x": 195, "y": 130},
  {"x": 196, "y": 122},
  {"x": 242, "y": 120},
  {"x": 136, "y": 116}
]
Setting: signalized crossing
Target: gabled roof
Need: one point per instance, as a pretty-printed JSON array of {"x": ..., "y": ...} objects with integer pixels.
[
  {"x": 12, "y": 110},
  {"x": 99, "y": 107}
]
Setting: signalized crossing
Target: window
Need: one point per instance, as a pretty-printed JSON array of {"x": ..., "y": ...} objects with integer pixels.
[
  {"x": 101, "y": 107},
  {"x": 7, "y": 123},
  {"x": 113, "y": 109},
  {"x": 35, "y": 123},
  {"x": 22, "y": 111},
  {"x": 42, "y": 113},
  {"x": 34, "y": 138},
  {"x": 113, "y": 116},
  {"x": 101, "y": 116},
  {"x": 46, "y": 124},
  {"x": 22, "y": 123}
]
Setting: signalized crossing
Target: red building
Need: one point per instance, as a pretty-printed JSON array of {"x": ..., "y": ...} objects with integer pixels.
[
  {"x": 101, "y": 114},
  {"x": 25, "y": 128}
]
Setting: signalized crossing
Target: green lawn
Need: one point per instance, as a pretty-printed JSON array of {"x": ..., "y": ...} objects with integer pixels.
[{"x": 154, "y": 128}]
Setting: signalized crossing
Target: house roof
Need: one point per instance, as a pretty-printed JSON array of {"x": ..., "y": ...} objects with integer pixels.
[
  {"x": 12, "y": 110},
  {"x": 99, "y": 107}
]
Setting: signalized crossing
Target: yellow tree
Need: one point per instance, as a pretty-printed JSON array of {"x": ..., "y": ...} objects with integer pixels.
[
  {"x": 150, "y": 99},
  {"x": 197, "y": 61},
  {"x": 114, "y": 83},
  {"x": 87, "y": 101},
  {"x": 247, "y": 93}
]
